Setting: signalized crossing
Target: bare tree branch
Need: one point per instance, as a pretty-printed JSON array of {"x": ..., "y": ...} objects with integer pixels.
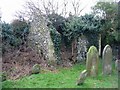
[{"x": 77, "y": 8}]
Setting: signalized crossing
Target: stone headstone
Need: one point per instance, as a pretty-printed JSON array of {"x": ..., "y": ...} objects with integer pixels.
[
  {"x": 107, "y": 60},
  {"x": 92, "y": 61},
  {"x": 82, "y": 77},
  {"x": 36, "y": 69},
  {"x": 117, "y": 65}
]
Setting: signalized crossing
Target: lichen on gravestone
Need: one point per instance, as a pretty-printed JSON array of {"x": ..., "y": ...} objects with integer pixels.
[{"x": 92, "y": 61}]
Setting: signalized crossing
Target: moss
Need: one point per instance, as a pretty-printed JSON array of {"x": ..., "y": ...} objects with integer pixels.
[
  {"x": 92, "y": 50},
  {"x": 92, "y": 61}
]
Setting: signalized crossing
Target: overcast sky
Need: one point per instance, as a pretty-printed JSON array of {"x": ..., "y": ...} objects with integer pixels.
[{"x": 9, "y": 7}]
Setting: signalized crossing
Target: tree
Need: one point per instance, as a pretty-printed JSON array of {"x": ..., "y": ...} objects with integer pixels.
[
  {"x": 108, "y": 12},
  {"x": 118, "y": 27},
  {"x": 118, "y": 30}
]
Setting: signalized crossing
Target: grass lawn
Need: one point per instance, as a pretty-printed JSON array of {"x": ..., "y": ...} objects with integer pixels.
[{"x": 64, "y": 78}]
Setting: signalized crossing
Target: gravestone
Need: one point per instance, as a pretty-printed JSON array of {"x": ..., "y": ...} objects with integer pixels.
[
  {"x": 92, "y": 61},
  {"x": 82, "y": 77},
  {"x": 117, "y": 65},
  {"x": 107, "y": 60},
  {"x": 36, "y": 69}
]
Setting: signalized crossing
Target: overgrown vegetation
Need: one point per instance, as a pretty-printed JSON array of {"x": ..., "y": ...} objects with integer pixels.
[
  {"x": 66, "y": 30},
  {"x": 100, "y": 24},
  {"x": 14, "y": 34},
  {"x": 72, "y": 27},
  {"x": 103, "y": 20}
]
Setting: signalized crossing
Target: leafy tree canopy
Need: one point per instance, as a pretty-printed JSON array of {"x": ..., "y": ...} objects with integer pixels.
[{"x": 108, "y": 11}]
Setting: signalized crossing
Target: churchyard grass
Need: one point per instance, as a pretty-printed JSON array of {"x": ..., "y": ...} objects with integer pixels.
[{"x": 64, "y": 78}]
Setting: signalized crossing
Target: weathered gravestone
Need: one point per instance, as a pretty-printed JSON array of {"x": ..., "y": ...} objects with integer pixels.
[
  {"x": 107, "y": 60},
  {"x": 92, "y": 61},
  {"x": 82, "y": 77},
  {"x": 35, "y": 69},
  {"x": 40, "y": 39},
  {"x": 117, "y": 65}
]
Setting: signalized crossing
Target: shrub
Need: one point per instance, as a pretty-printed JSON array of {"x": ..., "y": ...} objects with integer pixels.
[{"x": 15, "y": 33}]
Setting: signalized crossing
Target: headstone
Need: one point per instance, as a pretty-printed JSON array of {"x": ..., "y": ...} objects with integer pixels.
[
  {"x": 92, "y": 61},
  {"x": 107, "y": 60},
  {"x": 117, "y": 67},
  {"x": 82, "y": 77},
  {"x": 36, "y": 69}
]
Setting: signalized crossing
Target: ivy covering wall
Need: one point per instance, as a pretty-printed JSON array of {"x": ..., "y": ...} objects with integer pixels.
[{"x": 71, "y": 28}]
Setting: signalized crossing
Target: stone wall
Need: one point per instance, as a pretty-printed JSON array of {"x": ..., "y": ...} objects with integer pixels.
[
  {"x": 82, "y": 48},
  {"x": 39, "y": 38}
]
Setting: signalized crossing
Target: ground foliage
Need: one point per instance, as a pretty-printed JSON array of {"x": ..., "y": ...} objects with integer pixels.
[{"x": 64, "y": 78}]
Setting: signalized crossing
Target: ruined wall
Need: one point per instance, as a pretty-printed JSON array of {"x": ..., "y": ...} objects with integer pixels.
[
  {"x": 82, "y": 48},
  {"x": 39, "y": 38}
]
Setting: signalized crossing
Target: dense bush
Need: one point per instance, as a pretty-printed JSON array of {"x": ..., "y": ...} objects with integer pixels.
[
  {"x": 20, "y": 28},
  {"x": 72, "y": 27},
  {"x": 89, "y": 25},
  {"x": 7, "y": 33},
  {"x": 14, "y": 34}
]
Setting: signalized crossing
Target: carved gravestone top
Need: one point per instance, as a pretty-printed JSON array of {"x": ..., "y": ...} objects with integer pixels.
[
  {"x": 92, "y": 61},
  {"x": 107, "y": 60}
]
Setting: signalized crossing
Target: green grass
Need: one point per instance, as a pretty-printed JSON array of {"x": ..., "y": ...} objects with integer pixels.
[{"x": 64, "y": 78}]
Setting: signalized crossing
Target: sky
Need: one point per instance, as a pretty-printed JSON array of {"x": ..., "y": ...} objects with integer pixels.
[{"x": 8, "y": 8}]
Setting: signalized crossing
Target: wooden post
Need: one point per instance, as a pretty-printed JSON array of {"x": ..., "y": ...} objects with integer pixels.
[{"x": 99, "y": 44}]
